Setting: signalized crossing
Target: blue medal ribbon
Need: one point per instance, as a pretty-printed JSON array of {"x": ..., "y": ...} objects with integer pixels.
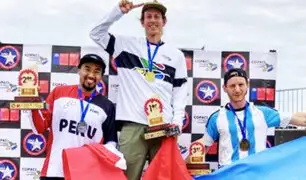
[
  {"x": 242, "y": 126},
  {"x": 151, "y": 58},
  {"x": 84, "y": 112}
]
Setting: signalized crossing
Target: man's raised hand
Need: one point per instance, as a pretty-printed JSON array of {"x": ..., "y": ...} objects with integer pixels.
[{"x": 126, "y": 6}]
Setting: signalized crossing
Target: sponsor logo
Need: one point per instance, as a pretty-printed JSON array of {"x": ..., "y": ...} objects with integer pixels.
[
  {"x": 9, "y": 57},
  {"x": 8, "y": 170},
  {"x": 234, "y": 60},
  {"x": 34, "y": 144},
  {"x": 206, "y": 91}
]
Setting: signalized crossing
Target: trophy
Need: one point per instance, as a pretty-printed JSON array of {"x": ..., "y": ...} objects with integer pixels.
[
  {"x": 157, "y": 127},
  {"x": 196, "y": 163},
  {"x": 28, "y": 96}
]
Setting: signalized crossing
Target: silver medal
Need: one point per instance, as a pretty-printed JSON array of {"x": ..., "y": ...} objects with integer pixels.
[{"x": 82, "y": 127}]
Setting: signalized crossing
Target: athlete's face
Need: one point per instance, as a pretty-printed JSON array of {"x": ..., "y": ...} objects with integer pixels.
[
  {"x": 90, "y": 75},
  {"x": 236, "y": 89},
  {"x": 153, "y": 22}
]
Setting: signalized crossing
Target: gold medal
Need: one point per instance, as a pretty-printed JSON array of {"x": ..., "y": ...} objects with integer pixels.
[
  {"x": 150, "y": 76},
  {"x": 244, "y": 145}
]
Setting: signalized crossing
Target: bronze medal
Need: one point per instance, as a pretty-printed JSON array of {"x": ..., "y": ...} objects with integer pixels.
[{"x": 244, "y": 145}]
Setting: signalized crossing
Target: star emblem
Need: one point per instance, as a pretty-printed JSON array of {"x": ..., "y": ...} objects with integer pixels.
[
  {"x": 7, "y": 172},
  {"x": 208, "y": 92},
  {"x": 36, "y": 144},
  {"x": 235, "y": 63},
  {"x": 9, "y": 58}
]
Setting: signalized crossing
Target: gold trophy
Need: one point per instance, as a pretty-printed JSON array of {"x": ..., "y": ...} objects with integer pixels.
[
  {"x": 196, "y": 163},
  {"x": 157, "y": 127},
  {"x": 28, "y": 96}
]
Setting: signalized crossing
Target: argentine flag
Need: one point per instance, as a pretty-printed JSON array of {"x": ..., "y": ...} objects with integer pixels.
[{"x": 283, "y": 162}]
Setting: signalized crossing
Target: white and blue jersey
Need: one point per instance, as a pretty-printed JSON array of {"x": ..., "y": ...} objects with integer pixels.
[{"x": 223, "y": 126}]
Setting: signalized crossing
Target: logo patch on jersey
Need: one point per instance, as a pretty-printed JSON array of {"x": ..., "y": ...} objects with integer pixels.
[
  {"x": 8, "y": 170},
  {"x": 9, "y": 57},
  {"x": 206, "y": 92},
  {"x": 34, "y": 144},
  {"x": 186, "y": 121},
  {"x": 94, "y": 111},
  {"x": 157, "y": 69},
  {"x": 166, "y": 57},
  {"x": 234, "y": 60},
  {"x": 69, "y": 104}
]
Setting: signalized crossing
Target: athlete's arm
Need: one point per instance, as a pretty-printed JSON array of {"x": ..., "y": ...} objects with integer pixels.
[
  {"x": 100, "y": 35},
  {"x": 109, "y": 127},
  {"x": 211, "y": 133},
  {"x": 298, "y": 119},
  {"x": 180, "y": 93},
  {"x": 41, "y": 119}
]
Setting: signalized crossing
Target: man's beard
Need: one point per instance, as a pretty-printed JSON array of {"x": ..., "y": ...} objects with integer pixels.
[{"x": 87, "y": 88}]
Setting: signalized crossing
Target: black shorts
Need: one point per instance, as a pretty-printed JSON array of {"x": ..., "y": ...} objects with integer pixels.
[{"x": 51, "y": 178}]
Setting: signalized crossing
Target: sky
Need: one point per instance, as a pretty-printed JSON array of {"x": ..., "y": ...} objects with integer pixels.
[{"x": 219, "y": 25}]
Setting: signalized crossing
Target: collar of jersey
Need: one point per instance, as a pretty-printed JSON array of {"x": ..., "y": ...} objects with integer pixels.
[
  {"x": 239, "y": 109},
  {"x": 155, "y": 44}
]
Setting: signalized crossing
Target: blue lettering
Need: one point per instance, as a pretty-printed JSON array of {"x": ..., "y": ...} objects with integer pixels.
[
  {"x": 72, "y": 128},
  {"x": 63, "y": 123}
]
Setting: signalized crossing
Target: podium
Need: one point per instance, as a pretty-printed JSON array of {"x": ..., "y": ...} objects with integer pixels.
[{"x": 285, "y": 135}]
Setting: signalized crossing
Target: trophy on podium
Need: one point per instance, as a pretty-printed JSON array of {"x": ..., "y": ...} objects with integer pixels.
[
  {"x": 157, "y": 127},
  {"x": 28, "y": 95},
  {"x": 196, "y": 163}
]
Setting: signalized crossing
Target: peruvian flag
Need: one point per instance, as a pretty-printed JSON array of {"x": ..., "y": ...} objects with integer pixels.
[
  {"x": 168, "y": 163},
  {"x": 93, "y": 161}
]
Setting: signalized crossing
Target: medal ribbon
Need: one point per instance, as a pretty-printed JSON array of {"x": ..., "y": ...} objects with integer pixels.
[
  {"x": 84, "y": 112},
  {"x": 242, "y": 126},
  {"x": 151, "y": 58}
]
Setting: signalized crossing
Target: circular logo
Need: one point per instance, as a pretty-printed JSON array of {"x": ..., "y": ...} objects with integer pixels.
[
  {"x": 27, "y": 77},
  {"x": 8, "y": 170},
  {"x": 234, "y": 60},
  {"x": 196, "y": 149},
  {"x": 186, "y": 121},
  {"x": 101, "y": 88},
  {"x": 113, "y": 64},
  {"x": 207, "y": 91},
  {"x": 152, "y": 105},
  {"x": 34, "y": 144},
  {"x": 9, "y": 57}
]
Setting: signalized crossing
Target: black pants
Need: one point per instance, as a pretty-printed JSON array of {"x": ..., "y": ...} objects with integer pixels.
[{"x": 51, "y": 178}]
